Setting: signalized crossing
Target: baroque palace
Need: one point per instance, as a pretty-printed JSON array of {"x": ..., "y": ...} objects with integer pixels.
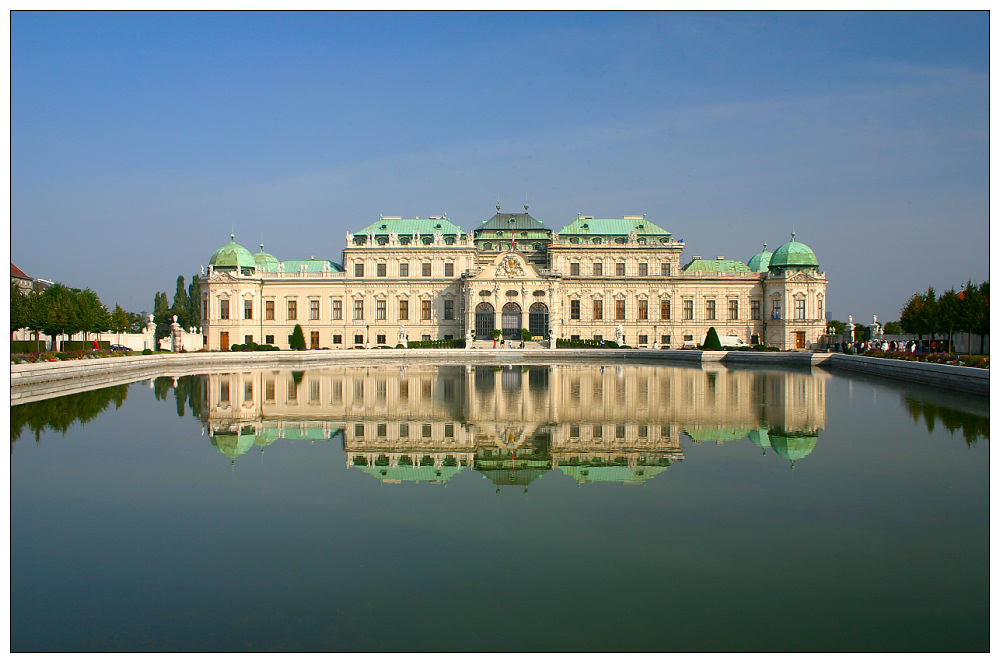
[{"x": 426, "y": 279}]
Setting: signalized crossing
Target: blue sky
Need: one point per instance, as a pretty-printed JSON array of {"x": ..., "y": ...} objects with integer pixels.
[{"x": 139, "y": 141}]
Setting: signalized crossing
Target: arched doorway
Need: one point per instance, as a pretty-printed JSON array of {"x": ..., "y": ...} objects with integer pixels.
[
  {"x": 538, "y": 319},
  {"x": 486, "y": 321},
  {"x": 510, "y": 321}
]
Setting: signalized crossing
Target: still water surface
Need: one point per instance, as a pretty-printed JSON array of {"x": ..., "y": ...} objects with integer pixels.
[{"x": 502, "y": 508}]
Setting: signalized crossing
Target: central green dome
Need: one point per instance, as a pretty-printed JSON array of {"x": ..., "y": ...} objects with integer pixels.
[
  {"x": 232, "y": 256},
  {"x": 793, "y": 255}
]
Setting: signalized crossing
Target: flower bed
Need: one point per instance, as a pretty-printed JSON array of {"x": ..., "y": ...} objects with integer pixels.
[{"x": 974, "y": 361}]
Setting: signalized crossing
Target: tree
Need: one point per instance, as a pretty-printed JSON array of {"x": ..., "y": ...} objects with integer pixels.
[
  {"x": 298, "y": 339},
  {"x": 92, "y": 314},
  {"x": 980, "y": 313},
  {"x": 838, "y": 326},
  {"x": 18, "y": 309},
  {"x": 712, "y": 341},
  {"x": 119, "y": 321},
  {"x": 194, "y": 302},
  {"x": 917, "y": 317},
  {"x": 161, "y": 314},
  {"x": 58, "y": 314},
  {"x": 179, "y": 307},
  {"x": 951, "y": 315},
  {"x": 891, "y": 328}
]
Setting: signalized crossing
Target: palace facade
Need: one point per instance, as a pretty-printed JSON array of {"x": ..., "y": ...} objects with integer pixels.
[{"x": 402, "y": 280}]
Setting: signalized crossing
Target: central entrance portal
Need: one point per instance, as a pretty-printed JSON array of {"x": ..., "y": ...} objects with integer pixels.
[
  {"x": 510, "y": 321},
  {"x": 486, "y": 321}
]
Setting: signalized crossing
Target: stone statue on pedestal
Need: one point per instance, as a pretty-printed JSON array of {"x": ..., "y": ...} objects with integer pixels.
[
  {"x": 402, "y": 337},
  {"x": 619, "y": 335}
]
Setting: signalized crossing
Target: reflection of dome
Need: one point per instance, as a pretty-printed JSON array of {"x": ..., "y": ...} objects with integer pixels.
[
  {"x": 760, "y": 438},
  {"x": 232, "y": 256},
  {"x": 265, "y": 261},
  {"x": 793, "y": 445},
  {"x": 793, "y": 255},
  {"x": 233, "y": 444},
  {"x": 761, "y": 261}
]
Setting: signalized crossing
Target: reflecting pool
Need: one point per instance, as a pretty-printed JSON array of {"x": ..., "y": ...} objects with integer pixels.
[{"x": 566, "y": 507}]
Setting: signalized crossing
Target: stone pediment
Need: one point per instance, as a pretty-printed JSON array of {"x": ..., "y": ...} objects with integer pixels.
[{"x": 509, "y": 265}]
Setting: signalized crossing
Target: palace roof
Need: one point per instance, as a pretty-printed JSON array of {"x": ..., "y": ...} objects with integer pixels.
[
  {"x": 588, "y": 225},
  {"x": 719, "y": 265},
  {"x": 401, "y": 226}
]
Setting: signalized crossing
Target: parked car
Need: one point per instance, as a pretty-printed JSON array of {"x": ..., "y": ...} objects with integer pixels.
[{"x": 121, "y": 348}]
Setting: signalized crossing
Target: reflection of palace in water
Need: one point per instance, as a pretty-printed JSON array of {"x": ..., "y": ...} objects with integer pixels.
[{"x": 619, "y": 423}]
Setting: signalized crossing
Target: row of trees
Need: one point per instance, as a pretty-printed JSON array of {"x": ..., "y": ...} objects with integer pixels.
[
  {"x": 966, "y": 310},
  {"x": 61, "y": 310}
]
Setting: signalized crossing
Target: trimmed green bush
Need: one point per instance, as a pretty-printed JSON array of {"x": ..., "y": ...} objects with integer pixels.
[
  {"x": 147, "y": 351},
  {"x": 297, "y": 341},
  {"x": 712, "y": 341},
  {"x": 27, "y": 346}
]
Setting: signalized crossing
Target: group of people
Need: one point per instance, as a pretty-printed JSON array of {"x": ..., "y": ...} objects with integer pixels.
[
  {"x": 909, "y": 347},
  {"x": 509, "y": 345}
]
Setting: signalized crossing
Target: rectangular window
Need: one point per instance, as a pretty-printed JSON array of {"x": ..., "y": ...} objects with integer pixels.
[
  {"x": 380, "y": 430},
  {"x": 293, "y": 309},
  {"x": 359, "y": 339},
  {"x": 574, "y": 269},
  {"x": 223, "y": 309},
  {"x": 449, "y": 269},
  {"x": 248, "y": 309},
  {"x": 404, "y": 309},
  {"x": 204, "y": 309},
  {"x": 643, "y": 339},
  {"x": 664, "y": 269},
  {"x": 598, "y": 269},
  {"x": 269, "y": 309},
  {"x": 269, "y": 339},
  {"x": 404, "y": 269},
  {"x": 710, "y": 309},
  {"x": 619, "y": 269},
  {"x": 755, "y": 310},
  {"x": 379, "y": 339},
  {"x": 734, "y": 309},
  {"x": 665, "y": 339},
  {"x": 574, "y": 430},
  {"x": 338, "y": 309},
  {"x": 449, "y": 309},
  {"x": 269, "y": 390},
  {"x": 359, "y": 309},
  {"x": 800, "y": 309},
  {"x": 248, "y": 339},
  {"x": 449, "y": 430},
  {"x": 689, "y": 309},
  {"x": 404, "y": 430},
  {"x": 359, "y": 269},
  {"x": 598, "y": 432},
  {"x": 619, "y": 309},
  {"x": 380, "y": 269},
  {"x": 664, "y": 309},
  {"x": 314, "y": 309},
  {"x": 776, "y": 309},
  {"x": 359, "y": 430},
  {"x": 643, "y": 309},
  {"x": 380, "y": 309},
  {"x": 574, "y": 309},
  {"x": 643, "y": 269},
  {"x": 425, "y": 269},
  {"x": 425, "y": 337},
  {"x": 620, "y": 431},
  {"x": 338, "y": 339},
  {"x": 425, "y": 309},
  {"x": 425, "y": 430},
  {"x": 598, "y": 309}
]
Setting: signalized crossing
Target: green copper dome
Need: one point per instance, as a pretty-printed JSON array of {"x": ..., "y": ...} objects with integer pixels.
[
  {"x": 265, "y": 261},
  {"x": 792, "y": 445},
  {"x": 232, "y": 256},
  {"x": 793, "y": 255},
  {"x": 761, "y": 261}
]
